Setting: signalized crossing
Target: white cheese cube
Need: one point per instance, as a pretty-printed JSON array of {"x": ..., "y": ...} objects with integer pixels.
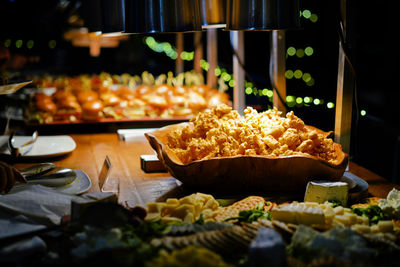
[
  {"x": 329, "y": 214},
  {"x": 321, "y": 191},
  {"x": 374, "y": 228},
  {"x": 352, "y": 218},
  {"x": 394, "y": 198},
  {"x": 362, "y": 220},
  {"x": 299, "y": 213},
  {"x": 342, "y": 219},
  {"x": 338, "y": 210},
  {"x": 385, "y": 226},
  {"x": 361, "y": 228}
]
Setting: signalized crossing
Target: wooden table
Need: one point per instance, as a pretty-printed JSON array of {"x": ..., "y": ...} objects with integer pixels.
[{"x": 138, "y": 187}]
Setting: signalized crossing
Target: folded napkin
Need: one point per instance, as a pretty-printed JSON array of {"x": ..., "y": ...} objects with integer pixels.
[{"x": 35, "y": 207}]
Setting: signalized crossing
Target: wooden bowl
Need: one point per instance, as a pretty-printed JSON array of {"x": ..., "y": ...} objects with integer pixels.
[{"x": 260, "y": 173}]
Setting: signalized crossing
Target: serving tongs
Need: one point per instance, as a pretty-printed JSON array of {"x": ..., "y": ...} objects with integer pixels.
[
  {"x": 12, "y": 87},
  {"x": 23, "y": 149},
  {"x": 48, "y": 174}
]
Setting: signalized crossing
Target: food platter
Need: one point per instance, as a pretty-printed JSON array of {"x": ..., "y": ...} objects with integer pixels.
[
  {"x": 289, "y": 174},
  {"x": 104, "y": 101}
]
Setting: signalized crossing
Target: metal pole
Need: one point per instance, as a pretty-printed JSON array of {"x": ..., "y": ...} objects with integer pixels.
[
  {"x": 212, "y": 57},
  {"x": 179, "y": 49},
  {"x": 345, "y": 90},
  {"x": 278, "y": 68},
  {"x": 237, "y": 40},
  {"x": 198, "y": 51}
]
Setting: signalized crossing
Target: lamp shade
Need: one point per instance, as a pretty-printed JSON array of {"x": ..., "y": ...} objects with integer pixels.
[
  {"x": 213, "y": 13},
  {"x": 162, "y": 16},
  {"x": 105, "y": 16},
  {"x": 262, "y": 15}
]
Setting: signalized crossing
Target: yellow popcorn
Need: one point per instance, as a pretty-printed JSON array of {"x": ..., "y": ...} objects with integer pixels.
[{"x": 222, "y": 132}]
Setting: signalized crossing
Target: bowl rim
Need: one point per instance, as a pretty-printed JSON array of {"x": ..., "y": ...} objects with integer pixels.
[{"x": 166, "y": 152}]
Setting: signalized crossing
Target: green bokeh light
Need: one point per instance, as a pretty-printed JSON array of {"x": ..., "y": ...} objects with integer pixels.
[
  {"x": 297, "y": 74},
  {"x": 289, "y": 74},
  {"x": 309, "y": 51},
  {"x": 306, "y": 77},
  {"x": 290, "y": 99},
  {"x": 307, "y": 99},
  {"x": 52, "y": 44},
  {"x": 7, "y": 43},
  {"x": 314, "y": 18},
  {"x": 311, "y": 82},
  {"x": 300, "y": 53},
  {"x": 18, "y": 43},
  {"x": 291, "y": 51},
  {"x": 30, "y": 44},
  {"x": 306, "y": 13}
]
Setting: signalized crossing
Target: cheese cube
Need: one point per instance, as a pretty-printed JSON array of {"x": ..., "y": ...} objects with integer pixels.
[
  {"x": 375, "y": 228},
  {"x": 182, "y": 211},
  {"x": 299, "y": 213},
  {"x": 351, "y": 217},
  {"x": 321, "y": 191},
  {"x": 284, "y": 215},
  {"x": 385, "y": 226},
  {"x": 365, "y": 229},
  {"x": 329, "y": 214},
  {"x": 155, "y": 207},
  {"x": 338, "y": 210},
  {"x": 362, "y": 220},
  {"x": 342, "y": 219},
  {"x": 168, "y": 219}
]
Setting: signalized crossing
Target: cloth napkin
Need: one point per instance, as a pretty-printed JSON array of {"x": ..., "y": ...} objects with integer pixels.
[{"x": 36, "y": 207}]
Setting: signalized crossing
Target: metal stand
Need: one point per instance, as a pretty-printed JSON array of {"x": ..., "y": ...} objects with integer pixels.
[
  {"x": 212, "y": 57},
  {"x": 345, "y": 91},
  {"x": 237, "y": 40},
  {"x": 278, "y": 68},
  {"x": 179, "y": 49},
  {"x": 198, "y": 52}
]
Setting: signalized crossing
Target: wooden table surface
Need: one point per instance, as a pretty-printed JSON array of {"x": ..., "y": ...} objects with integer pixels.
[{"x": 138, "y": 187}]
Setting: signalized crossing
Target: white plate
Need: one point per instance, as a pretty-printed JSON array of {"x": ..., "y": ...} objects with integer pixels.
[
  {"x": 45, "y": 146},
  {"x": 80, "y": 185}
]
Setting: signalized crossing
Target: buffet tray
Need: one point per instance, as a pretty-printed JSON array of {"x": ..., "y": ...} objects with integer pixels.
[
  {"x": 102, "y": 125},
  {"x": 111, "y": 120}
]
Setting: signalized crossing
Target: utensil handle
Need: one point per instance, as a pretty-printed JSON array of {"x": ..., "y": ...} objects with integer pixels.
[{"x": 38, "y": 169}]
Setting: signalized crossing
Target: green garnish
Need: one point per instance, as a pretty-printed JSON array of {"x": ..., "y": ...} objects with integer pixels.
[
  {"x": 249, "y": 216},
  {"x": 373, "y": 212},
  {"x": 335, "y": 203}
]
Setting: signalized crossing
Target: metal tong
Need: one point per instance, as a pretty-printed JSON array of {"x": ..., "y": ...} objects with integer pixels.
[
  {"x": 48, "y": 174},
  {"x": 21, "y": 150}
]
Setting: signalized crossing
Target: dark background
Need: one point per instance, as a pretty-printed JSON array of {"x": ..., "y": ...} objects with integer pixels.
[{"x": 373, "y": 51}]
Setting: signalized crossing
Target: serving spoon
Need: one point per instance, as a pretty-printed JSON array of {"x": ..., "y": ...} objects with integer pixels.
[
  {"x": 17, "y": 151},
  {"x": 49, "y": 174}
]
